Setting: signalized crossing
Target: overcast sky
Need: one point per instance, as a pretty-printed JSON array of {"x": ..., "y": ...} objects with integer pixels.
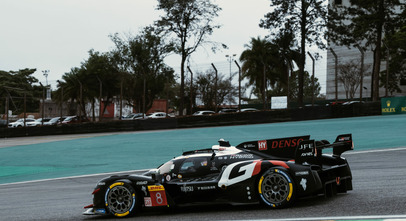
[{"x": 56, "y": 35}]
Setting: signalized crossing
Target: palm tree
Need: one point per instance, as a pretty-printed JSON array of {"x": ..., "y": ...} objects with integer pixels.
[
  {"x": 289, "y": 55},
  {"x": 259, "y": 64}
]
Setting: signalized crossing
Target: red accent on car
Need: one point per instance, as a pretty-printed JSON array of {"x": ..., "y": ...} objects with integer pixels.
[
  {"x": 96, "y": 190},
  {"x": 257, "y": 167},
  {"x": 279, "y": 163},
  {"x": 88, "y": 206}
]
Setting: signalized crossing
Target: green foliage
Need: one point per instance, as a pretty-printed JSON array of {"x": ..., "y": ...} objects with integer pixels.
[
  {"x": 363, "y": 24},
  {"x": 211, "y": 94},
  {"x": 141, "y": 58},
  {"x": 187, "y": 24},
  {"x": 14, "y": 84},
  {"x": 267, "y": 64},
  {"x": 308, "y": 88},
  {"x": 396, "y": 44},
  {"x": 304, "y": 18}
]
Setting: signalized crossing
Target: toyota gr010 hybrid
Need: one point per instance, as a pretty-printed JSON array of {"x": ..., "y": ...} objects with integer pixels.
[{"x": 272, "y": 172}]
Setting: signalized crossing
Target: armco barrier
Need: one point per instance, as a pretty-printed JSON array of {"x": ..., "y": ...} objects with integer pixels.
[{"x": 271, "y": 116}]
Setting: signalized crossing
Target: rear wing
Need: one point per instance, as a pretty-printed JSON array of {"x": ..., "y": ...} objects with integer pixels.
[{"x": 310, "y": 150}]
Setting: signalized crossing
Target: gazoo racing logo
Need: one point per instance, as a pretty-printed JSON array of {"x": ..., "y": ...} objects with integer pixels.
[{"x": 238, "y": 172}]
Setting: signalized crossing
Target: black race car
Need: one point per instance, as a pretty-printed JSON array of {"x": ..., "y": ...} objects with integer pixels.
[{"x": 272, "y": 172}]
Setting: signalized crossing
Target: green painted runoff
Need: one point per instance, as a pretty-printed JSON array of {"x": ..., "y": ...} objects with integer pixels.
[{"x": 143, "y": 150}]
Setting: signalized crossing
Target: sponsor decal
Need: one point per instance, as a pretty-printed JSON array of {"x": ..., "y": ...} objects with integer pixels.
[
  {"x": 101, "y": 184},
  {"x": 242, "y": 156},
  {"x": 141, "y": 183},
  {"x": 302, "y": 173},
  {"x": 100, "y": 211},
  {"x": 168, "y": 178},
  {"x": 249, "y": 145},
  {"x": 245, "y": 170},
  {"x": 262, "y": 145},
  {"x": 158, "y": 195},
  {"x": 206, "y": 188},
  {"x": 186, "y": 189},
  {"x": 156, "y": 188},
  {"x": 213, "y": 166},
  {"x": 343, "y": 138},
  {"x": 147, "y": 201},
  {"x": 286, "y": 143},
  {"x": 303, "y": 183},
  {"x": 179, "y": 176},
  {"x": 338, "y": 180}
]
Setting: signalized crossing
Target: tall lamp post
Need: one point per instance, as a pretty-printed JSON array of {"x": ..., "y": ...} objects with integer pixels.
[
  {"x": 230, "y": 59},
  {"x": 45, "y": 73}
]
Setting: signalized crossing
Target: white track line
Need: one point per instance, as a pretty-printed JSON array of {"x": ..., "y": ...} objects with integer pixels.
[
  {"x": 382, "y": 217},
  {"x": 73, "y": 177}
]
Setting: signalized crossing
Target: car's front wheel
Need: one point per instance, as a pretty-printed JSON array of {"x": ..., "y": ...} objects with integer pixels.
[
  {"x": 121, "y": 199},
  {"x": 276, "y": 188}
]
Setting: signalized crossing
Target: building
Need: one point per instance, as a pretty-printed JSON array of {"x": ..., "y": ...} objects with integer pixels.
[{"x": 344, "y": 55}]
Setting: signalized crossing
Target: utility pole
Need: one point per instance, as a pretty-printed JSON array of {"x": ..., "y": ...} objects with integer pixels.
[
  {"x": 239, "y": 85},
  {"x": 230, "y": 59},
  {"x": 312, "y": 78},
  {"x": 191, "y": 90},
  {"x": 336, "y": 72},
  {"x": 361, "y": 73},
  {"x": 215, "y": 89}
]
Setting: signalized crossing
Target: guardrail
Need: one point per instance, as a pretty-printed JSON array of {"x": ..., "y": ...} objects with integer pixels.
[{"x": 271, "y": 116}]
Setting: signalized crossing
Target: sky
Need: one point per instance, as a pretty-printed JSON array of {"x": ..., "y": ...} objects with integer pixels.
[{"x": 56, "y": 35}]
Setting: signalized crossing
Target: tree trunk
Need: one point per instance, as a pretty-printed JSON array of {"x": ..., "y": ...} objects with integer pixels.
[
  {"x": 303, "y": 53},
  {"x": 377, "y": 53}
]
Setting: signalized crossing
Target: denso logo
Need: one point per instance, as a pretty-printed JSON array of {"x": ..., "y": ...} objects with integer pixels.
[
  {"x": 286, "y": 143},
  {"x": 262, "y": 145}
]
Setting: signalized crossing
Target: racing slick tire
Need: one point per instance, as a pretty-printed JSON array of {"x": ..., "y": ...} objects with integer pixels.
[
  {"x": 276, "y": 188},
  {"x": 121, "y": 199}
]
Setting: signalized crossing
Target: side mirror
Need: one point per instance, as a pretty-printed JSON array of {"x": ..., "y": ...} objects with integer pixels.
[{"x": 155, "y": 174}]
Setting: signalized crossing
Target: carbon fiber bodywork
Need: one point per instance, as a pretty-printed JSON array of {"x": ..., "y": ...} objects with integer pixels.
[{"x": 272, "y": 172}]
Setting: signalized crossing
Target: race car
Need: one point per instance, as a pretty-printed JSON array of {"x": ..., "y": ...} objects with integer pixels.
[{"x": 271, "y": 172}]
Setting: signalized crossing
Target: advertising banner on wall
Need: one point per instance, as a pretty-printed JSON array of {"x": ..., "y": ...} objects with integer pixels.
[
  {"x": 279, "y": 102},
  {"x": 393, "y": 105}
]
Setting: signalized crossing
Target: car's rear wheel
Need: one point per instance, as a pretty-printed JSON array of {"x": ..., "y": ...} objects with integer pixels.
[
  {"x": 276, "y": 188},
  {"x": 121, "y": 199}
]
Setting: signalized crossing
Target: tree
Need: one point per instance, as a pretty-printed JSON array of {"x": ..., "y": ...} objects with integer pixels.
[
  {"x": 290, "y": 56},
  {"x": 81, "y": 84},
  {"x": 396, "y": 44},
  {"x": 142, "y": 57},
  {"x": 260, "y": 60},
  {"x": 14, "y": 84},
  {"x": 187, "y": 23},
  {"x": 206, "y": 89},
  {"x": 307, "y": 89},
  {"x": 350, "y": 77},
  {"x": 363, "y": 24},
  {"x": 304, "y": 17}
]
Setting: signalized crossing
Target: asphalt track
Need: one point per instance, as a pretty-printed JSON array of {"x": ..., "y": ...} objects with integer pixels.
[
  {"x": 378, "y": 167},
  {"x": 379, "y": 191}
]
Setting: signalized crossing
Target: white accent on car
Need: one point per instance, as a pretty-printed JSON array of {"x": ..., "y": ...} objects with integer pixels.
[{"x": 247, "y": 169}]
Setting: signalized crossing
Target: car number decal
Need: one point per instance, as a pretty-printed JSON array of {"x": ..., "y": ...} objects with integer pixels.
[{"x": 157, "y": 196}]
